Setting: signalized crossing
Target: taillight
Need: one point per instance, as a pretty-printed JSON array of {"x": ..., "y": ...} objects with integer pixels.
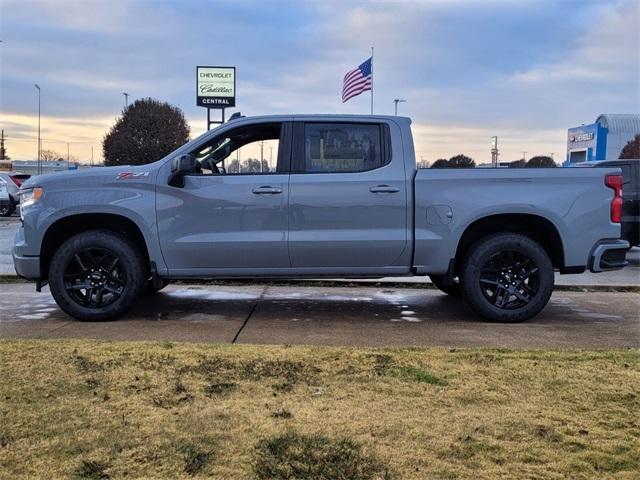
[
  {"x": 17, "y": 181},
  {"x": 615, "y": 182}
]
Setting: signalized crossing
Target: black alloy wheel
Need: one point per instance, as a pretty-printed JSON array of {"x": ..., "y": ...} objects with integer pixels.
[
  {"x": 95, "y": 277},
  {"x": 509, "y": 279}
]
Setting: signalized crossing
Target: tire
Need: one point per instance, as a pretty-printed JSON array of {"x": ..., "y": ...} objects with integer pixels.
[
  {"x": 453, "y": 289},
  {"x": 149, "y": 289},
  {"x": 507, "y": 260},
  {"x": 96, "y": 275},
  {"x": 6, "y": 211}
]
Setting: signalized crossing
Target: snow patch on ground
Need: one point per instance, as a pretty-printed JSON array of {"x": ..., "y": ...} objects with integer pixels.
[{"x": 201, "y": 294}]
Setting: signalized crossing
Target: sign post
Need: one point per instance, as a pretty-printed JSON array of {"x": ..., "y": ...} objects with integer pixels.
[{"x": 215, "y": 89}]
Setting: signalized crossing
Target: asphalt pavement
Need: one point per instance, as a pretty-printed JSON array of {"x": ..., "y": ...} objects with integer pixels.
[
  {"x": 366, "y": 315},
  {"x": 361, "y": 316}
]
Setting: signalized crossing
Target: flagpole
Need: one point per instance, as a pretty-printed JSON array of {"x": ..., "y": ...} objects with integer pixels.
[{"x": 371, "y": 80}]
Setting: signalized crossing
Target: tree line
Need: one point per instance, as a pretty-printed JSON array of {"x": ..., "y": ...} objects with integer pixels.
[
  {"x": 462, "y": 161},
  {"x": 149, "y": 129}
]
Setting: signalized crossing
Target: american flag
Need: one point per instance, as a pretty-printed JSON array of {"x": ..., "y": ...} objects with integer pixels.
[{"x": 357, "y": 81}]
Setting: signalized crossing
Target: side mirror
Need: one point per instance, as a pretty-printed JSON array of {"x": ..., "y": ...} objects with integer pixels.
[{"x": 180, "y": 166}]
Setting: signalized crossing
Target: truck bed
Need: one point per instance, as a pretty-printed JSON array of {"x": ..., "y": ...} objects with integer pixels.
[{"x": 447, "y": 201}]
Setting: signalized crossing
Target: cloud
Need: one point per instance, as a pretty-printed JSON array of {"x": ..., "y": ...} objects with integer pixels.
[
  {"x": 607, "y": 52},
  {"x": 523, "y": 70}
]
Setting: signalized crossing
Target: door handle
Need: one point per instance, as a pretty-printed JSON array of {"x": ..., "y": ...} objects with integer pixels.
[
  {"x": 384, "y": 189},
  {"x": 266, "y": 190}
]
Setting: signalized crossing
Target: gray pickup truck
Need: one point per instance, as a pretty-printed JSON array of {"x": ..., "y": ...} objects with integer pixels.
[{"x": 340, "y": 196}]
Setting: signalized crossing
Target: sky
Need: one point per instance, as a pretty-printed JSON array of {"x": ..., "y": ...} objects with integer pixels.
[{"x": 524, "y": 70}]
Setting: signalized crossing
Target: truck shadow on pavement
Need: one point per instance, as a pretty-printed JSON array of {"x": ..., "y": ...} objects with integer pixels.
[
  {"x": 285, "y": 304},
  {"x": 362, "y": 316}
]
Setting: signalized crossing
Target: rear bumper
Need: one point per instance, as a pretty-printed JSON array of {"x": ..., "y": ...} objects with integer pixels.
[{"x": 609, "y": 255}]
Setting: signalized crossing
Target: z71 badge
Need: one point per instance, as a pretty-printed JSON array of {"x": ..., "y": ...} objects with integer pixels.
[{"x": 130, "y": 175}]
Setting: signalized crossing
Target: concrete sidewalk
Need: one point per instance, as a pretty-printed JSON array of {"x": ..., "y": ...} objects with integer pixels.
[{"x": 362, "y": 316}]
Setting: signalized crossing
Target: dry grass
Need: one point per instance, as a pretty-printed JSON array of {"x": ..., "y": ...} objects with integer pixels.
[{"x": 82, "y": 409}]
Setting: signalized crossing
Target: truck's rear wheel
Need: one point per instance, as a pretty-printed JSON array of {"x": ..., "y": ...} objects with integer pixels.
[
  {"x": 96, "y": 275},
  {"x": 451, "y": 288},
  {"x": 507, "y": 278}
]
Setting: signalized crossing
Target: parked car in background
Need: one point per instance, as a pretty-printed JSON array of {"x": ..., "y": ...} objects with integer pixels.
[
  {"x": 19, "y": 178},
  {"x": 630, "y": 195},
  {"x": 13, "y": 181},
  {"x": 341, "y": 198},
  {"x": 6, "y": 203}
]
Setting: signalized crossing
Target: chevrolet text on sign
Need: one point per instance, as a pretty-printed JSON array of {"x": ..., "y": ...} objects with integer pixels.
[{"x": 216, "y": 87}]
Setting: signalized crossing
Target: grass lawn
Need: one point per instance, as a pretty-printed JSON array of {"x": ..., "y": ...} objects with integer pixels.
[{"x": 85, "y": 409}]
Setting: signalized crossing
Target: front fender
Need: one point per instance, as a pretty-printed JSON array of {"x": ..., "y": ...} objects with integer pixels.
[{"x": 135, "y": 204}]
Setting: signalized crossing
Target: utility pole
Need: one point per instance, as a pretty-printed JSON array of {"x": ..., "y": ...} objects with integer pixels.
[
  {"x": 397, "y": 101},
  {"x": 126, "y": 99},
  {"x": 3, "y": 152},
  {"x": 524, "y": 156},
  {"x": 39, "y": 141},
  {"x": 67, "y": 155},
  {"x": 494, "y": 151}
]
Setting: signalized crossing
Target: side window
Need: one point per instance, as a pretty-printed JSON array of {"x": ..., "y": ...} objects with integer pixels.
[
  {"x": 252, "y": 149},
  {"x": 343, "y": 147}
]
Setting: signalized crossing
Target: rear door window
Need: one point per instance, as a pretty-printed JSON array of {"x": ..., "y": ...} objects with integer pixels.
[{"x": 344, "y": 147}]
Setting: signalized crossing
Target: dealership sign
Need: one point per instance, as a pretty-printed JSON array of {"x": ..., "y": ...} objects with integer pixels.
[
  {"x": 582, "y": 137},
  {"x": 216, "y": 87}
]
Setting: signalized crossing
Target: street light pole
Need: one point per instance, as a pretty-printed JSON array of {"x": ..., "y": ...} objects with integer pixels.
[
  {"x": 494, "y": 151},
  {"x": 126, "y": 99},
  {"x": 397, "y": 101},
  {"x": 39, "y": 142}
]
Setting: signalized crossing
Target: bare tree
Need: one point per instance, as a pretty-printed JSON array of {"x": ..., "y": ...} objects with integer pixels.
[{"x": 50, "y": 156}]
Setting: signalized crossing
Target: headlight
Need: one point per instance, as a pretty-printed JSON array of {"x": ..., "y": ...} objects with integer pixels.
[{"x": 29, "y": 197}]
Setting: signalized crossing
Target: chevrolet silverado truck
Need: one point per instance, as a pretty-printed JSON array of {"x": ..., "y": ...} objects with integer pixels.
[{"x": 309, "y": 196}]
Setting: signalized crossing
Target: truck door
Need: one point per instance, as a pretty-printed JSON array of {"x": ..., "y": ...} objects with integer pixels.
[
  {"x": 232, "y": 213},
  {"x": 347, "y": 197}
]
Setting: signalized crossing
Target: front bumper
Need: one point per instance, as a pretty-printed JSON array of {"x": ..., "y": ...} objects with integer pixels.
[
  {"x": 27, "y": 267},
  {"x": 609, "y": 255}
]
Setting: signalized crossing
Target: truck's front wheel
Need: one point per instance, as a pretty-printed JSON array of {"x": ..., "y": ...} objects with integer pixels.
[
  {"x": 96, "y": 275},
  {"x": 507, "y": 277}
]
